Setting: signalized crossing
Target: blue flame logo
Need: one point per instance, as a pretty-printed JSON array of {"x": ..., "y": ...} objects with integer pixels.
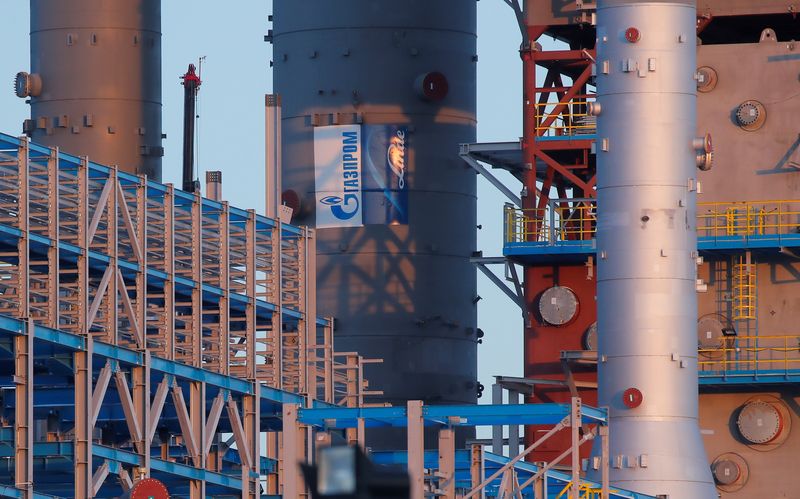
[
  {"x": 331, "y": 200},
  {"x": 338, "y": 205}
]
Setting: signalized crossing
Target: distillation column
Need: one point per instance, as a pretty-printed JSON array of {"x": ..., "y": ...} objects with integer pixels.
[
  {"x": 95, "y": 81},
  {"x": 396, "y": 276},
  {"x": 646, "y": 243}
]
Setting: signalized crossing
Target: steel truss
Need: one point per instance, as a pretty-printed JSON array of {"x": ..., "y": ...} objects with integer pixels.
[
  {"x": 471, "y": 473},
  {"x": 143, "y": 323}
]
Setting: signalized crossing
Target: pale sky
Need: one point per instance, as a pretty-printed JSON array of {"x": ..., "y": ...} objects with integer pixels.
[{"x": 236, "y": 75}]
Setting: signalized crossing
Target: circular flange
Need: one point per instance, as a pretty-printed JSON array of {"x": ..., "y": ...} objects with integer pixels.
[
  {"x": 632, "y": 398},
  {"x": 558, "y": 305},
  {"x": 709, "y": 335},
  {"x": 726, "y": 472},
  {"x": 590, "y": 338},
  {"x": 432, "y": 86},
  {"x": 730, "y": 472},
  {"x": 633, "y": 35},
  {"x": 706, "y": 79},
  {"x": 759, "y": 422},
  {"x": 148, "y": 488},
  {"x": 27, "y": 85},
  {"x": 751, "y": 115}
]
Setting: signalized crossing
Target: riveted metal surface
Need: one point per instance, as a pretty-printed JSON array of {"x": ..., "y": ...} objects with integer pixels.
[
  {"x": 726, "y": 471},
  {"x": 590, "y": 338},
  {"x": 558, "y": 305},
  {"x": 149, "y": 488},
  {"x": 759, "y": 422}
]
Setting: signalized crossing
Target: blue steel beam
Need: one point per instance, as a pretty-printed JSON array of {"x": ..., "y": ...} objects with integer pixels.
[
  {"x": 750, "y": 377},
  {"x": 10, "y": 325},
  {"x": 9, "y": 491},
  {"x": 463, "y": 415},
  {"x": 171, "y": 468}
]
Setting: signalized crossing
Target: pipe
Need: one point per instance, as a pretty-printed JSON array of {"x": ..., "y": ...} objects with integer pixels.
[
  {"x": 647, "y": 246},
  {"x": 191, "y": 85},
  {"x": 214, "y": 185}
]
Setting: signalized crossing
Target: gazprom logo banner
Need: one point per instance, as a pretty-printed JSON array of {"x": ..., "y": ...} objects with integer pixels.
[{"x": 337, "y": 165}]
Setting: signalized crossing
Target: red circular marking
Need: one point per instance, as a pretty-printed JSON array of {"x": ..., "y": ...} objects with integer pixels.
[
  {"x": 149, "y": 488},
  {"x": 632, "y": 398},
  {"x": 291, "y": 199},
  {"x": 435, "y": 86},
  {"x": 633, "y": 35}
]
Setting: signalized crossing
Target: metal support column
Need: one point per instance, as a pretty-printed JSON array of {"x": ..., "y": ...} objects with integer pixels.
[
  {"x": 447, "y": 463},
  {"x": 197, "y": 418},
  {"x": 292, "y": 480},
  {"x": 23, "y": 411},
  {"x": 83, "y": 421},
  {"x": 477, "y": 469},
  {"x": 416, "y": 449},
  {"x": 252, "y": 433},
  {"x": 604, "y": 462},
  {"x": 575, "y": 431},
  {"x": 140, "y": 379},
  {"x": 497, "y": 430},
  {"x": 513, "y": 430}
]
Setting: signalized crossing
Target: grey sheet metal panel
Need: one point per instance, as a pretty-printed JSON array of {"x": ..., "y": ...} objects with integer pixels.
[
  {"x": 752, "y": 165},
  {"x": 403, "y": 293},
  {"x": 100, "y": 65},
  {"x": 646, "y": 240}
]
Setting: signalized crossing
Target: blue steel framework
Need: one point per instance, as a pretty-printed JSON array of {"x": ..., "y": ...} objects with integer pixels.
[
  {"x": 470, "y": 473},
  {"x": 106, "y": 276}
]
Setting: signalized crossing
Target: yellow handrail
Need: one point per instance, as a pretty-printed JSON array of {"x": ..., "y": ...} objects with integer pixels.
[
  {"x": 586, "y": 491},
  {"x": 752, "y": 353},
  {"x": 573, "y": 120},
  {"x": 578, "y": 220}
]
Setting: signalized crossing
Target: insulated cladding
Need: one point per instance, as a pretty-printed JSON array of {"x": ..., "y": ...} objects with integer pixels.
[
  {"x": 99, "y": 68},
  {"x": 647, "y": 246},
  {"x": 393, "y": 265}
]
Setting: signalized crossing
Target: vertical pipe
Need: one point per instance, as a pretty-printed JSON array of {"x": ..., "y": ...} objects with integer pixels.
[
  {"x": 646, "y": 243},
  {"x": 272, "y": 128},
  {"x": 214, "y": 185},
  {"x": 191, "y": 84},
  {"x": 95, "y": 87}
]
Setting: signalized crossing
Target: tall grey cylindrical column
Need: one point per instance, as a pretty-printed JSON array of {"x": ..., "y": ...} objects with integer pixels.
[
  {"x": 646, "y": 242},
  {"x": 401, "y": 286},
  {"x": 96, "y": 68}
]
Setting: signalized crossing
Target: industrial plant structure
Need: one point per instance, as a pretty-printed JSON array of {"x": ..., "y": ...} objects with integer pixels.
[{"x": 162, "y": 344}]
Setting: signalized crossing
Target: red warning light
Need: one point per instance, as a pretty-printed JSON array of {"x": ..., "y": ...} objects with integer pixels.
[
  {"x": 633, "y": 35},
  {"x": 632, "y": 398}
]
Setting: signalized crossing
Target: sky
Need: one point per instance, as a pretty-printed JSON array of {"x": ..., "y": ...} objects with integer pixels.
[{"x": 236, "y": 75}]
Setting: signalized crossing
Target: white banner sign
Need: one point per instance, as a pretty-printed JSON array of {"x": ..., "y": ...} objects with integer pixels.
[{"x": 337, "y": 166}]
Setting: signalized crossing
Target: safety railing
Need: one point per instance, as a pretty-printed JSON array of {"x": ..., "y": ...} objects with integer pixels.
[
  {"x": 562, "y": 220},
  {"x": 770, "y": 354},
  {"x": 576, "y": 220},
  {"x": 586, "y": 491},
  {"x": 558, "y": 120},
  {"x": 748, "y": 219}
]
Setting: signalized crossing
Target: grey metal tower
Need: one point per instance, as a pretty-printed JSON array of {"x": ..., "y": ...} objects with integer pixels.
[
  {"x": 399, "y": 283},
  {"x": 647, "y": 245},
  {"x": 95, "y": 81}
]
